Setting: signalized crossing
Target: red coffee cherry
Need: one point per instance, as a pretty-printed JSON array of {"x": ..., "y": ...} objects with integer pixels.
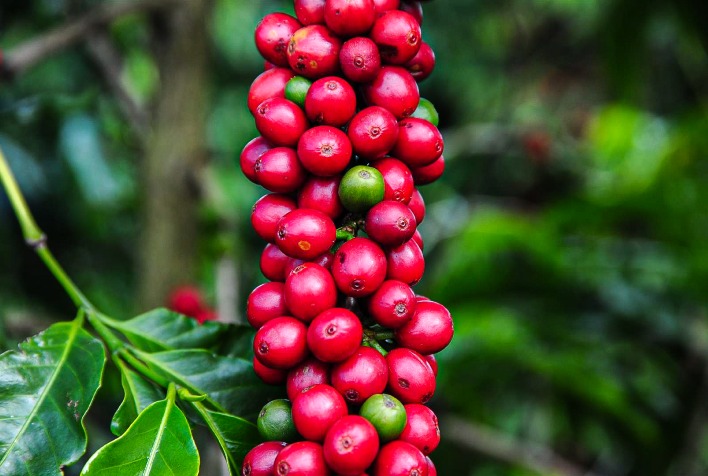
[
  {"x": 273, "y": 263},
  {"x": 313, "y": 52},
  {"x": 431, "y": 467},
  {"x": 305, "y": 234},
  {"x": 422, "y": 64},
  {"x": 393, "y": 304},
  {"x": 373, "y": 132},
  {"x": 360, "y": 60},
  {"x": 405, "y": 263},
  {"x": 268, "y": 375},
  {"x": 430, "y": 358},
  {"x": 265, "y": 302},
  {"x": 429, "y": 331},
  {"x": 303, "y": 458},
  {"x": 359, "y": 267},
  {"x": 250, "y": 154},
  {"x": 418, "y": 238},
  {"x": 399, "y": 458},
  {"x": 360, "y": 376},
  {"x": 397, "y": 35},
  {"x": 331, "y": 101},
  {"x": 422, "y": 430},
  {"x": 429, "y": 173},
  {"x": 267, "y": 212},
  {"x": 417, "y": 206},
  {"x": 324, "y": 151},
  {"x": 334, "y": 335},
  {"x": 325, "y": 260},
  {"x": 419, "y": 142},
  {"x": 280, "y": 121},
  {"x": 349, "y": 17},
  {"x": 272, "y": 36},
  {"x": 260, "y": 461},
  {"x": 309, "y": 290},
  {"x": 394, "y": 89},
  {"x": 351, "y": 445},
  {"x": 410, "y": 378},
  {"x": 390, "y": 223},
  {"x": 309, "y": 373},
  {"x": 321, "y": 193},
  {"x": 186, "y": 300},
  {"x": 268, "y": 84},
  {"x": 316, "y": 410},
  {"x": 398, "y": 179},
  {"x": 414, "y": 9},
  {"x": 281, "y": 343},
  {"x": 384, "y": 5},
  {"x": 310, "y": 12},
  {"x": 279, "y": 170}
]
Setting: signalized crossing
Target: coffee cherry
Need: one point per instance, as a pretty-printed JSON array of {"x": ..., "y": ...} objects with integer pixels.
[
  {"x": 334, "y": 335},
  {"x": 360, "y": 376},
  {"x": 313, "y": 52},
  {"x": 310, "y": 12},
  {"x": 279, "y": 170},
  {"x": 272, "y": 36},
  {"x": 273, "y": 263},
  {"x": 373, "y": 132},
  {"x": 268, "y": 375},
  {"x": 417, "y": 206},
  {"x": 429, "y": 330},
  {"x": 390, "y": 223},
  {"x": 361, "y": 188},
  {"x": 281, "y": 343},
  {"x": 269, "y": 84},
  {"x": 267, "y": 212},
  {"x": 398, "y": 179},
  {"x": 399, "y": 458},
  {"x": 349, "y": 17},
  {"x": 260, "y": 461},
  {"x": 414, "y": 9},
  {"x": 307, "y": 374},
  {"x": 418, "y": 238},
  {"x": 410, "y": 378},
  {"x": 275, "y": 421},
  {"x": 431, "y": 467},
  {"x": 322, "y": 193},
  {"x": 384, "y": 5},
  {"x": 398, "y": 36},
  {"x": 351, "y": 445},
  {"x": 296, "y": 90},
  {"x": 359, "y": 267},
  {"x": 309, "y": 290},
  {"x": 405, "y": 263},
  {"x": 387, "y": 414},
  {"x": 394, "y": 89},
  {"x": 360, "y": 60},
  {"x": 325, "y": 260},
  {"x": 250, "y": 154},
  {"x": 324, "y": 151},
  {"x": 393, "y": 304},
  {"x": 316, "y": 410},
  {"x": 331, "y": 101},
  {"x": 266, "y": 302},
  {"x": 186, "y": 300},
  {"x": 419, "y": 142},
  {"x": 426, "y": 110},
  {"x": 303, "y": 458},
  {"x": 280, "y": 121},
  {"x": 422, "y": 64},
  {"x": 430, "y": 359},
  {"x": 422, "y": 430},
  {"x": 305, "y": 234},
  {"x": 429, "y": 173}
]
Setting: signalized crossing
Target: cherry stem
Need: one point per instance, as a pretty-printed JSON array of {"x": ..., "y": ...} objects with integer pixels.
[
  {"x": 384, "y": 335},
  {"x": 370, "y": 341}
]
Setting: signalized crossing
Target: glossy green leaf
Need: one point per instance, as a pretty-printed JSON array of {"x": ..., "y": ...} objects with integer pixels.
[
  {"x": 159, "y": 442},
  {"x": 230, "y": 382},
  {"x": 46, "y": 388},
  {"x": 139, "y": 394}
]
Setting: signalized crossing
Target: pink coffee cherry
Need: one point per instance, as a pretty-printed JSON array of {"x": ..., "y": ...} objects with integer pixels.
[
  {"x": 324, "y": 151},
  {"x": 360, "y": 60},
  {"x": 260, "y": 461},
  {"x": 400, "y": 458}
]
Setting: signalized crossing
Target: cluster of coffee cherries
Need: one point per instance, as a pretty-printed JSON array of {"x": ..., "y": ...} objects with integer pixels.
[{"x": 345, "y": 139}]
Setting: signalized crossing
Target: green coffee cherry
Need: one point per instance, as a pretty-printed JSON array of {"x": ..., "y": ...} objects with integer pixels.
[
  {"x": 275, "y": 422},
  {"x": 361, "y": 188},
  {"x": 386, "y": 413},
  {"x": 427, "y": 111},
  {"x": 296, "y": 90}
]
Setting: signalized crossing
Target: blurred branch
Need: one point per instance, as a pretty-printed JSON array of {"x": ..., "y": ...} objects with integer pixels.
[
  {"x": 31, "y": 52},
  {"x": 109, "y": 61},
  {"x": 487, "y": 441}
]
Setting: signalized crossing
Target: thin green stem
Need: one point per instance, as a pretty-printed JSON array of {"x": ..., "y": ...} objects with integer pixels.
[
  {"x": 384, "y": 335},
  {"x": 143, "y": 369},
  {"x": 199, "y": 406},
  {"x": 114, "y": 343},
  {"x": 370, "y": 341}
]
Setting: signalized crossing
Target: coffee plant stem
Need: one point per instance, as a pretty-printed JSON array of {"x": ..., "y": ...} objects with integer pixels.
[
  {"x": 113, "y": 343},
  {"x": 370, "y": 341},
  {"x": 143, "y": 369},
  {"x": 384, "y": 335}
]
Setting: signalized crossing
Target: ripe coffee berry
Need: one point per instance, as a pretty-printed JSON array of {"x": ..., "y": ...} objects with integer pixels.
[
  {"x": 399, "y": 458},
  {"x": 279, "y": 170},
  {"x": 419, "y": 142},
  {"x": 273, "y": 263},
  {"x": 384, "y": 5},
  {"x": 360, "y": 60},
  {"x": 305, "y": 234},
  {"x": 417, "y": 206},
  {"x": 267, "y": 212},
  {"x": 280, "y": 121},
  {"x": 430, "y": 358},
  {"x": 303, "y": 458},
  {"x": 334, "y": 335},
  {"x": 410, "y": 378},
  {"x": 309, "y": 290},
  {"x": 429, "y": 331},
  {"x": 250, "y": 154},
  {"x": 349, "y": 17},
  {"x": 324, "y": 260},
  {"x": 324, "y": 151},
  {"x": 373, "y": 132},
  {"x": 418, "y": 238},
  {"x": 422, "y": 64},
  {"x": 310, "y": 12},
  {"x": 359, "y": 267},
  {"x": 266, "y": 302},
  {"x": 422, "y": 430},
  {"x": 398, "y": 180},
  {"x": 260, "y": 461},
  {"x": 272, "y": 36},
  {"x": 414, "y": 9},
  {"x": 268, "y": 84},
  {"x": 393, "y": 304},
  {"x": 397, "y": 34},
  {"x": 351, "y": 445},
  {"x": 387, "y": 414},
  {"x": 331, "y": 101},
  {"x": 316, "y": 410},
  {"x": 321, "y": 193},
  {"x": 390, "y": 223},
  {"x": 394, "y": 89},
  {"x": 429, "y": 173},
  {"x": 305, "y": 375},
  {"x": 405, "y": 263},
  {"x": 313, "y": 52},
  {"x": 281, "y": 343},
  {"x": 360, "y": 376},
  {"x": 268, "y": 375}
]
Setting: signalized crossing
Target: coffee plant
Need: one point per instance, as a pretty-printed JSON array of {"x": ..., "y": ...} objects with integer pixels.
[{"x": 345, "y": 140}]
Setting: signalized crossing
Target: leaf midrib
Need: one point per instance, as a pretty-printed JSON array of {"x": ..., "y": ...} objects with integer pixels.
[{"x": 160, "y": 433}]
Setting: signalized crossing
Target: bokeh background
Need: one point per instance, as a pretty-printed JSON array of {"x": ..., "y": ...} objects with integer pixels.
[{"x": 569, "y": 235}]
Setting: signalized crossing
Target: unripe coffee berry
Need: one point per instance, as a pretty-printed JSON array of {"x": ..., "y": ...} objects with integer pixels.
[
  {"x": 334, "y": 335},
  {"x": 275, "y": 421},
  {"x": 359, "y": 267},
  {"x": 260, "y": 461},
  {"x": 410, "y": 378},
  {"x": 303, "y": 458},
  {"x": 360, "y": 376},
  {"x": 305, "y": 234},
  {"x": 361, "y": 188},
  {"x": 387, "y": 414},
  {"x": 309, "y": 290},
  {"x": 351, "y": 445},
  {"x": 316, "y": 410},
  {"x": 281, "y": 343},
  {"x": 422, "y": 430}
]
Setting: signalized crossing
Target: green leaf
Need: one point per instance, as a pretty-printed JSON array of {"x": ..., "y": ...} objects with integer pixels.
[
  {"x": 45, "y": 390},
  {"x": 139, "y": 394},
  {"x": 229, "y": 382},
  {"x": 159, "y": 442}
]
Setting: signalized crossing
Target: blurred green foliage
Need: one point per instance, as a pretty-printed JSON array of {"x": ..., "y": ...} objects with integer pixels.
[{"x": 568, "y": 236}]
